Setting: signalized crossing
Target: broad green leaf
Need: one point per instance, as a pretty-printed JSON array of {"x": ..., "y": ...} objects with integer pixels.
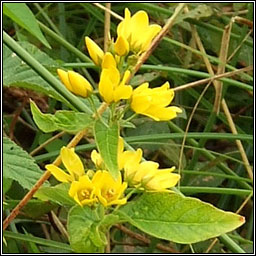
[
  {"x": 179, "y": 219},
  {"x": 7, "y": 183},
  {"x": 64, "y": 120},
  {"x": 57, "y": 194},
  {"x": 22, "y": 15},
  {"x": 34, "y": 208},
  {"x": 16, "y": 73},
  {"x": 85, "y": 235},
  {"x": 107, "y": 144},
  {"x": 19, "y": 165}
]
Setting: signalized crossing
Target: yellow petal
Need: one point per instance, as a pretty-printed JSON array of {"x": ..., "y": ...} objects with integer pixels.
[
  {"x": 106, "y": 87},
  {"x": 58, "y": 173},
  {"x": 79, "y": 84},
  {"x": 96, "y": 158},
  {"x": 162, "y": 114},
  {"x": 140, "y": 104},
  {"x": 153, "y": 30},
  {"x": 122, "y": 92},
  {"x": 121, "y": 46},
  {"x": 94, "y": 50},
  {"x": 63, "y": 75},
  {"x": 72, "y": 162},
  {"x": 108, "y": 61},
  {"x": 126, "y": 76}
]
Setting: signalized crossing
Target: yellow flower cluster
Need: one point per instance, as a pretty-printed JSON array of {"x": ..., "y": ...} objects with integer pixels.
[
  {"x": 140, "y": 174},
  {"x": 134, "y": 36},
  {"x": 101, "y": 188}
]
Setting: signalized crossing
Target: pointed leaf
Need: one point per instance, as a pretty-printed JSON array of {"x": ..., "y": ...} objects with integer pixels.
[
  {"x": 19, "y": 165},
  {"x": 107, "y": 143},
  {"x": 84, "y": 233},
  {"x": 22, "y": 15},
  {"x": 177, "y": 218},
  {"x": 64, "y": 120},
  {"x": 57, "y": 194},
  {"x": 16, "y": 73}
]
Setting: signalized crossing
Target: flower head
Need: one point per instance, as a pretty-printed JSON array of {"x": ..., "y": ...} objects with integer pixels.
[
  {"x": 75, "y": 83},
  {"x": 147, "y": 175},
  {"x": 71, "y": 162},
  {"x": 137, "y": 31},
  {"x": 111, "y": 87},
  {"x": 94, "y": 50},
  {"x": 108, "y": 190},
  {"x": 154, "y": 102},
  {"x": 83, "y": 191}
]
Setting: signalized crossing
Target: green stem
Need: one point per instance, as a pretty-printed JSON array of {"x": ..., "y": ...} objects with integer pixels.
[
  {"x": 44, "y": 73},
  {"x": 209, "y": 156},
  {"x": 230, "y": 244},
  {"x": 130, "y": 118},
  {"x": 64, "y": 43},
  {"x": 197, "y": 74},
  {"x": 214, "y": 174},
  {"x": 215, "y": 190},
  {"x": 37, "y": 240},
  {"x": 176, "y": 70},
  {"x": 202, "y": 141},
  {"x": 211, "y": 58},
  {"x": 47, "y": 18},
  {"x": 158, "y": 9}
]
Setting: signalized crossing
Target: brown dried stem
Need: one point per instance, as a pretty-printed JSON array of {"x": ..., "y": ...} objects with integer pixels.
[{"x": 144, "y": 239}]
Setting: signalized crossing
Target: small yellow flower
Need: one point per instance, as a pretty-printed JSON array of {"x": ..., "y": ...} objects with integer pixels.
[
  {"x": 153, "y": 102},
  {"x": 147, "y": 175},
  {"x": 137, "y": 31},
  {"x": 108, "y": 190},
  {"x": 94, "y": 50},
  {"x": 111, "y": 88},
  {"x": 121, "y": 46},
  {"x": 83, "y": 191},
  {"x": 75, "y": 83},
  {"x": 71, "y": 162},
  {"x": 108, "y": 61}
]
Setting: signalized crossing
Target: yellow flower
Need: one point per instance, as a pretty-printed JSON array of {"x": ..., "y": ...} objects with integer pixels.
[
  {"x": 121, "y": 46},
  {"x": 75, "y": 83},
  {"x": 94, "y": 50},
  {"x": 83, "y": 191},
  {"x": 71, "y": 162},
  {"x": 147, "y": 175},
  {"x": 154, "y": 102},
  {"x": 108, "y": 61},
  {"x": 111, "y": 88},
  {"x": 137, "y": 31},
  {"x": 108, "y": 190}
]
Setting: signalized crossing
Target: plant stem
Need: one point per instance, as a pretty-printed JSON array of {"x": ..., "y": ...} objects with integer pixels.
[{"x": 44, "y": 73}]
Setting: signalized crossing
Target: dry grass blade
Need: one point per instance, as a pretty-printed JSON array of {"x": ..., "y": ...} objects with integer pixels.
[
  {"x": 159, "y": 37},
  {"x": 221, "y": 67},
  {"x": 107, "y": 36}
]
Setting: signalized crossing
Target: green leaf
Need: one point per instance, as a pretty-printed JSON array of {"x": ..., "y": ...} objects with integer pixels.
[
  {"x": 16, "y": 73},
  {"x": 85, "y": 235},
  {"x": 22, "y": 15},
  {"x": 64, "y": 120},
  {"x": 57, "y": 194},
  {"x": 34, "y": 208},
  {"x": 19, "y": 165},
  {"x": 7, "y": 183},
  {"x": 179, "y": 219},
  {"x": 107, "y": 144},
  {"x": 201, "y": 11}
]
